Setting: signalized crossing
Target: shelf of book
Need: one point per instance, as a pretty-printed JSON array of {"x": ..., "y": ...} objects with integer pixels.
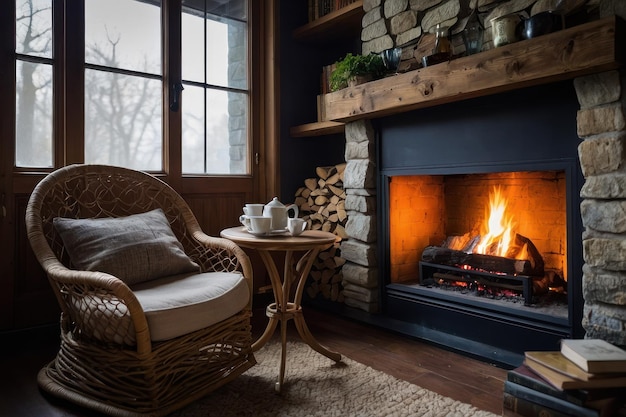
[{"x": 342, "y": 22}]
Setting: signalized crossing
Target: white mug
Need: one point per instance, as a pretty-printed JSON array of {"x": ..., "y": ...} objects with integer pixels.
[
  {"x": 253, "y": 210},
  {"x": 261, "y": 225},
  {"x": 296, "y": 225}
]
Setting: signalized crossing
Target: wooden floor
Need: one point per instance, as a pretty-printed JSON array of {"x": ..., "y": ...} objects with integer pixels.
[{"x": 438, "y": 370}]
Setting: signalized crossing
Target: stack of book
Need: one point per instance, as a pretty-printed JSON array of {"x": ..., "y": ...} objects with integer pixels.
[{"x": 586, "y": 378}]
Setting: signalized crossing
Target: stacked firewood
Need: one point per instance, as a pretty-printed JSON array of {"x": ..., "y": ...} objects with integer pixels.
[{"x": 321, "y": 202}]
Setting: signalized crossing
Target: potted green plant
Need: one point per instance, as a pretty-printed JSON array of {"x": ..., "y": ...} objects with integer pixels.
[{"x": 355, "y": 69}]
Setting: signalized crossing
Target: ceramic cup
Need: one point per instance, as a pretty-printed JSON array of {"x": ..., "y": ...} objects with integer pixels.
[
  {"x": 296, "y": 226},
  {"x": 253, "y": 210},
  {"x": 245, "y": 221},
  {"x": 506, "y": 29},
  {"x": 260, "y": 224}
]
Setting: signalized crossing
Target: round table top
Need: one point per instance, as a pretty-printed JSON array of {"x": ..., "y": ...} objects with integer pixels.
[{"x": 309, "y": 239}]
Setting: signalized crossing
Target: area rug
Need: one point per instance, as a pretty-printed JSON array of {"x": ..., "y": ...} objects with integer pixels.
[{"x": 316, "y": 386}]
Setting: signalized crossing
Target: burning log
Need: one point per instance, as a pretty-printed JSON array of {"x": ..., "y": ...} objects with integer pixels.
[{"x": 497, "y": 264}]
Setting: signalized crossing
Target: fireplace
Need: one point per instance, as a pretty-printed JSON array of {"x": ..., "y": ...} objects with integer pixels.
[
  {"x": 499, "y": 236},
  {"x": 437, "y": 169},
  {"x": 535, "y": 129}
]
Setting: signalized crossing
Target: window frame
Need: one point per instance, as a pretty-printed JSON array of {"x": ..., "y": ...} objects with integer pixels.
[{"x": 69, "y": 67}]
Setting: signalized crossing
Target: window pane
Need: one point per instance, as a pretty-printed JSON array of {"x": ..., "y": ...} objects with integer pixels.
[
  {"x": 215, "y": 73},
  {"x": 33, "y": 124},
  {"x": 224, "y": 147},
  {"x": 236, "y": 120},
  {"x": 225, "y": 50},
  {"x": 193, "y": 130},
  {"x": 227, "y": 54},
  {"x": 123, "y": 120},
  {"x": 123, "y": 34},
  {"x": 33, "y": 26},
  {"x": 235, "y": 9},
  {"x": 192, "y": 46}
]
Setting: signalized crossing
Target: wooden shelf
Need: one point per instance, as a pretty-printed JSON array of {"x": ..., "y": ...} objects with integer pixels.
[
  {"x": 585, "y": 49},
  {"x": 316, "y": 129},
  {"x": 345, "y": 22}
]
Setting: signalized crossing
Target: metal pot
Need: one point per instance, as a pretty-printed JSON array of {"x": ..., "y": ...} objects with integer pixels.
[{"x": 542, "y": 24}]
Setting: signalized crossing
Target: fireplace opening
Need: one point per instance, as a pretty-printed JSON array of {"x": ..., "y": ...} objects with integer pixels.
[{"x": 498, "y": 237}]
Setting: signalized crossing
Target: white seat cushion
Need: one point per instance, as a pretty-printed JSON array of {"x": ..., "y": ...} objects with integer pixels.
[{"x": 181, "y": 304}]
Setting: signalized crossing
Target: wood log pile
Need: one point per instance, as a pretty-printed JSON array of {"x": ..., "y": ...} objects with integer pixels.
[{"x": 321, "y": 202}]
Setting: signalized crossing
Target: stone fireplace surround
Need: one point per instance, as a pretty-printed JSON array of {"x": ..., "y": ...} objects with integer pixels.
[{"x": 601, "y": 127}]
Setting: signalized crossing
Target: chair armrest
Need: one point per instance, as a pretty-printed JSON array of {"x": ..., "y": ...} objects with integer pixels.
[
  {"x": 223, "y": 255},
  {"x": 101, "y": 305}
]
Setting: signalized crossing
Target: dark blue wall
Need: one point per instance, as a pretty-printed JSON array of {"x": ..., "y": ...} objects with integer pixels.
[{"x": 300, "y": 70}]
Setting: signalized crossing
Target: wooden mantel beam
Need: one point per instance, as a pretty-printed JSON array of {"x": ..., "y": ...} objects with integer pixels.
[{"x": 589, "y": 48}]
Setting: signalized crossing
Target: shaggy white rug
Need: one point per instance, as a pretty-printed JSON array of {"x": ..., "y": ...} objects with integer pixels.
[{"x": 316, "y": 386}]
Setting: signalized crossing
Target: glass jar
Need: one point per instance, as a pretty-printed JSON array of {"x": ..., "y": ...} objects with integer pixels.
[
  {"x": 442, "y": 43},
  {"x": 473, "y": 35}
]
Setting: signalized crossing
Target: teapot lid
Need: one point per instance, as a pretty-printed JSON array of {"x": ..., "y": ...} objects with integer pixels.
[{"x": 275, "y": 203}]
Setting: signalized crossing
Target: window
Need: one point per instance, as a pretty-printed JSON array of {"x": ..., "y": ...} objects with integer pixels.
[
  {"x": 215, "y": 104},
  {"x": 124, "y": 86},
  {"x": 33, "y": 83}
]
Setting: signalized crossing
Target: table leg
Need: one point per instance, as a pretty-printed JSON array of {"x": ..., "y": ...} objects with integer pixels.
[
  {"x": 283, "y": 310},
  {"x": 283, "y": 355},
  {"x": 267, "y": 334},
  {"x": 306, "y": 335}
]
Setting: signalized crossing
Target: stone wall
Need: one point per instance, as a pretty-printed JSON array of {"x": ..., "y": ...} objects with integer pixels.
[
  {"x": 237, "y": 102},
  {"x": 411, "y": 23},
  {"x": 360, "y": 272},
  {"x": 601, "y": 125}
]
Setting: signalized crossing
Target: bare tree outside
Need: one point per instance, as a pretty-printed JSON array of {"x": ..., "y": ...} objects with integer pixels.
[{"x": 33, "y": 100}]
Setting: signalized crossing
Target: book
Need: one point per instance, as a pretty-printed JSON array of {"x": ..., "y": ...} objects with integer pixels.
[
  {"x": 594, "y": 355},
  {"x": 564, "y": 382},
  {"x": 556, "y": 361},
  {"x": 548, "y": 402},
  {"x": 521, "y": 407},
  {"x": 523, "y": 375}
]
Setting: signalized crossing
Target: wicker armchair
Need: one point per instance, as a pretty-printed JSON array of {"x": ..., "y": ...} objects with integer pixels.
[{"x": 109, "y": 359}]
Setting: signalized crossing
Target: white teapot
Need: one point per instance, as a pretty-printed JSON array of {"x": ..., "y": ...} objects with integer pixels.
[{"x": 279, "y": 213}]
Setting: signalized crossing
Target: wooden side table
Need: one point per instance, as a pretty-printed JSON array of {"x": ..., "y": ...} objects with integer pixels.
[{"x": 285, "y": 308}]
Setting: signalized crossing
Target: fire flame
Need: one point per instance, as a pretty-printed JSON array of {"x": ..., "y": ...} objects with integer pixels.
[{"x": 499, "y": 234}]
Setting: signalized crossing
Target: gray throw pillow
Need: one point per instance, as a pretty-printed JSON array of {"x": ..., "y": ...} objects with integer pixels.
[{"x": 136, "y": 248}]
